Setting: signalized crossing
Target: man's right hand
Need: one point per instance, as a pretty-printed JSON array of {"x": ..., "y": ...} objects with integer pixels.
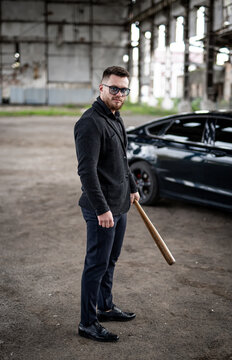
[{"x": 106, "y": 219}]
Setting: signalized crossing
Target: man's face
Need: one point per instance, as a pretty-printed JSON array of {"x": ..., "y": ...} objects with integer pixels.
[{"x": 113, "y": 102}]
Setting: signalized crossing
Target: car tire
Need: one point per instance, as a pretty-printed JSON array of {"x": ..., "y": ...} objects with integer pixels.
[{"x": 146, "y": 181}]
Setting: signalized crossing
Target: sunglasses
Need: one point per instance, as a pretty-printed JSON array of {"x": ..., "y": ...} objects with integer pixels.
[{"x": 114, "y": 90}]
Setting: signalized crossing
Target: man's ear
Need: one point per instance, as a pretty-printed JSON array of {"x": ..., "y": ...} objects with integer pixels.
[{"x": 101, "y": 87}]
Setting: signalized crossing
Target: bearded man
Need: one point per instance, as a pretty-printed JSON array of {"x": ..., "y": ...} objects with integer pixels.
[{"x": 108, "y": 190}]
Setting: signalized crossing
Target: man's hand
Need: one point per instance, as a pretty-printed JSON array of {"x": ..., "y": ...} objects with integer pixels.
[
  {"x": 134, "y": 196},
  {"x": 106, "y": 219}
]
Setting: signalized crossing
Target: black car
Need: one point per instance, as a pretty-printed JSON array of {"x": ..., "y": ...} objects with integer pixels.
[{"x": 187, "y": 156}]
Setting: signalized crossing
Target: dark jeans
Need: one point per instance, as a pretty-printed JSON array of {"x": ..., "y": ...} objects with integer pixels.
[{"x": 102, "y": 251}]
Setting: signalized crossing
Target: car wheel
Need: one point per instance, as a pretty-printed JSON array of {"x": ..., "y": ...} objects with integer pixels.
[{"x": 146, "y": 182}]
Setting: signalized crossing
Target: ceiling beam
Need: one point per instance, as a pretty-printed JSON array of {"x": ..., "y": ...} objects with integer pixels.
[{"x": 151, "y": 11}]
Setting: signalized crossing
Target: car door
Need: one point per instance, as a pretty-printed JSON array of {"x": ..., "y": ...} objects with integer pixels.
[
  {"x": 218, "y": 163},
  {"x": 180, "y": 156}
]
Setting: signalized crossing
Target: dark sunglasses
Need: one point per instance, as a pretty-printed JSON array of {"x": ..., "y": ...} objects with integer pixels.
[{"x": 114, "y": 90}]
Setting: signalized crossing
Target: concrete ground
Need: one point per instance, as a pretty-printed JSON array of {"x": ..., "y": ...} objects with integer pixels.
[{"x": 183, "y": 311}]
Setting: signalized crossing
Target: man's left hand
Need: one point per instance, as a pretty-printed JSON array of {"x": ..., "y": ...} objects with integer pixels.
[{"x": 134, "y": 196}]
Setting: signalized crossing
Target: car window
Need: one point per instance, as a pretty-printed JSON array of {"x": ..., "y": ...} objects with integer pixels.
[
  {"x": 186, "y": 130},
  {"x": 156, "y": 129},
  {"x": 223, "y": 136}
]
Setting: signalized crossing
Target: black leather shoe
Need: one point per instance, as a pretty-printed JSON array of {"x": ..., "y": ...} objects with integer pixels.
[
  {"x": 115, "y": 314},
  {"x": 96, "y": 332}
]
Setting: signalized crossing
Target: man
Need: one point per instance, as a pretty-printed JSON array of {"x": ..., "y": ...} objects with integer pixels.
[{"x": 108, "y": 190}]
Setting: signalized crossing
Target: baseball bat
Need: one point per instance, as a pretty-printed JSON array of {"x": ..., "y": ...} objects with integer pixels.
[{"x": 156, "y": 236}]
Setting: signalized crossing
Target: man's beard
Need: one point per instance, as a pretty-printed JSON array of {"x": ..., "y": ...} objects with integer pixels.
[{"x": 114, "y": 107}]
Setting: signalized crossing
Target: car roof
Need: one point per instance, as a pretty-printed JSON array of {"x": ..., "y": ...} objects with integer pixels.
[
  {"x": 210, "y": 112},
  {"x": 224, "y": 113}
]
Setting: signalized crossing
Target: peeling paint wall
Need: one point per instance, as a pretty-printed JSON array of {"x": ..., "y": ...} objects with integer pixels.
[{"x": 64, "y": 46}]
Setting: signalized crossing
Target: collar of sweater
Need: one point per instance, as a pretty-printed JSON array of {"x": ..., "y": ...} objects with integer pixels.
[{"x": 103, "y": 108}]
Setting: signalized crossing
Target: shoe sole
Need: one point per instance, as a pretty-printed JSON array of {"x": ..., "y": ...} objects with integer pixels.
[
  {"x": 105, "y": 319},
  {"x": 88, "y": 336}
]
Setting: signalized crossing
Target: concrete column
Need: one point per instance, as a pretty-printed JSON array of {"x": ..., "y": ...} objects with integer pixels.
[
  {"x": 154, "y": 33},
  {"x": 141, "y": 61},
  {"x": 228, "y": 82},
  {"x": 46, "y": 53},
  {"x": 185, "y": 104},
  {"x": 1, "y": 71},
  {"x": 167, "y": 102},
  {"x": 144, "y": 62},
  {"x": 208, "y": 98}
]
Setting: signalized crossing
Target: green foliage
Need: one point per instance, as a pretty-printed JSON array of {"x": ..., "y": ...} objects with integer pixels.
[
  {"x": 49, "y": 111},
  {"x": 144, "y": 109},
  {"x": 73, "y": 110},
  {"x": 159, "y": 102},
  {"x": 223, "y": 104},
  {"x": 196, "y": 104},
  {"x": 176, "y": 102}
]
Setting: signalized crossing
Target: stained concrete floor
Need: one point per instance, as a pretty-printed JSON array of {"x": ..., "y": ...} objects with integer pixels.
[{"x": 183, "y": 311}]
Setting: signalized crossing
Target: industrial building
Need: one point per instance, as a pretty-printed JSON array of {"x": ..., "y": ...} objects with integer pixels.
[{"x": 54, "y": 51}]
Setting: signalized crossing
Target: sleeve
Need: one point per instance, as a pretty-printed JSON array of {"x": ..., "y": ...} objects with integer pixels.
[
  {"x": 133, "y": 185},
  {"x": 88, "y": 144}
]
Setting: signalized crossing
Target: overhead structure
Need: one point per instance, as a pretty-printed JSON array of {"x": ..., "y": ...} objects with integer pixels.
[
  {"x": 54, "y": 51},
  {"x": 211, "y": 34}
]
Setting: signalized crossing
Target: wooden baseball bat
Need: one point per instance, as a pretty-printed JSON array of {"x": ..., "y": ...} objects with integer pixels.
[{"x": 156, "y": 236}]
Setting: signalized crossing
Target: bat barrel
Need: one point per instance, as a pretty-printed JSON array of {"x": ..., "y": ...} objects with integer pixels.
[{"x": 156, "y": 236}]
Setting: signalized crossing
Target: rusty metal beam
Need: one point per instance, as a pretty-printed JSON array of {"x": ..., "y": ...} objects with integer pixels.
[
  {"x": 96, "y": 2},
  {"x": 151, "y": 11},
  {"x": 81, "y": 2},
  {"x": 63, "y": 22},
  {"x": 12, "y": 40}
]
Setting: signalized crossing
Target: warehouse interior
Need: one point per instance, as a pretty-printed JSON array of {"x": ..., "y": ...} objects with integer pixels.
[{"x": 53, "y": 52}]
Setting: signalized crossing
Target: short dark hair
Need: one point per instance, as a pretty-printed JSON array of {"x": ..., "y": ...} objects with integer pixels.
[{"x": 115, "y": 70}]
